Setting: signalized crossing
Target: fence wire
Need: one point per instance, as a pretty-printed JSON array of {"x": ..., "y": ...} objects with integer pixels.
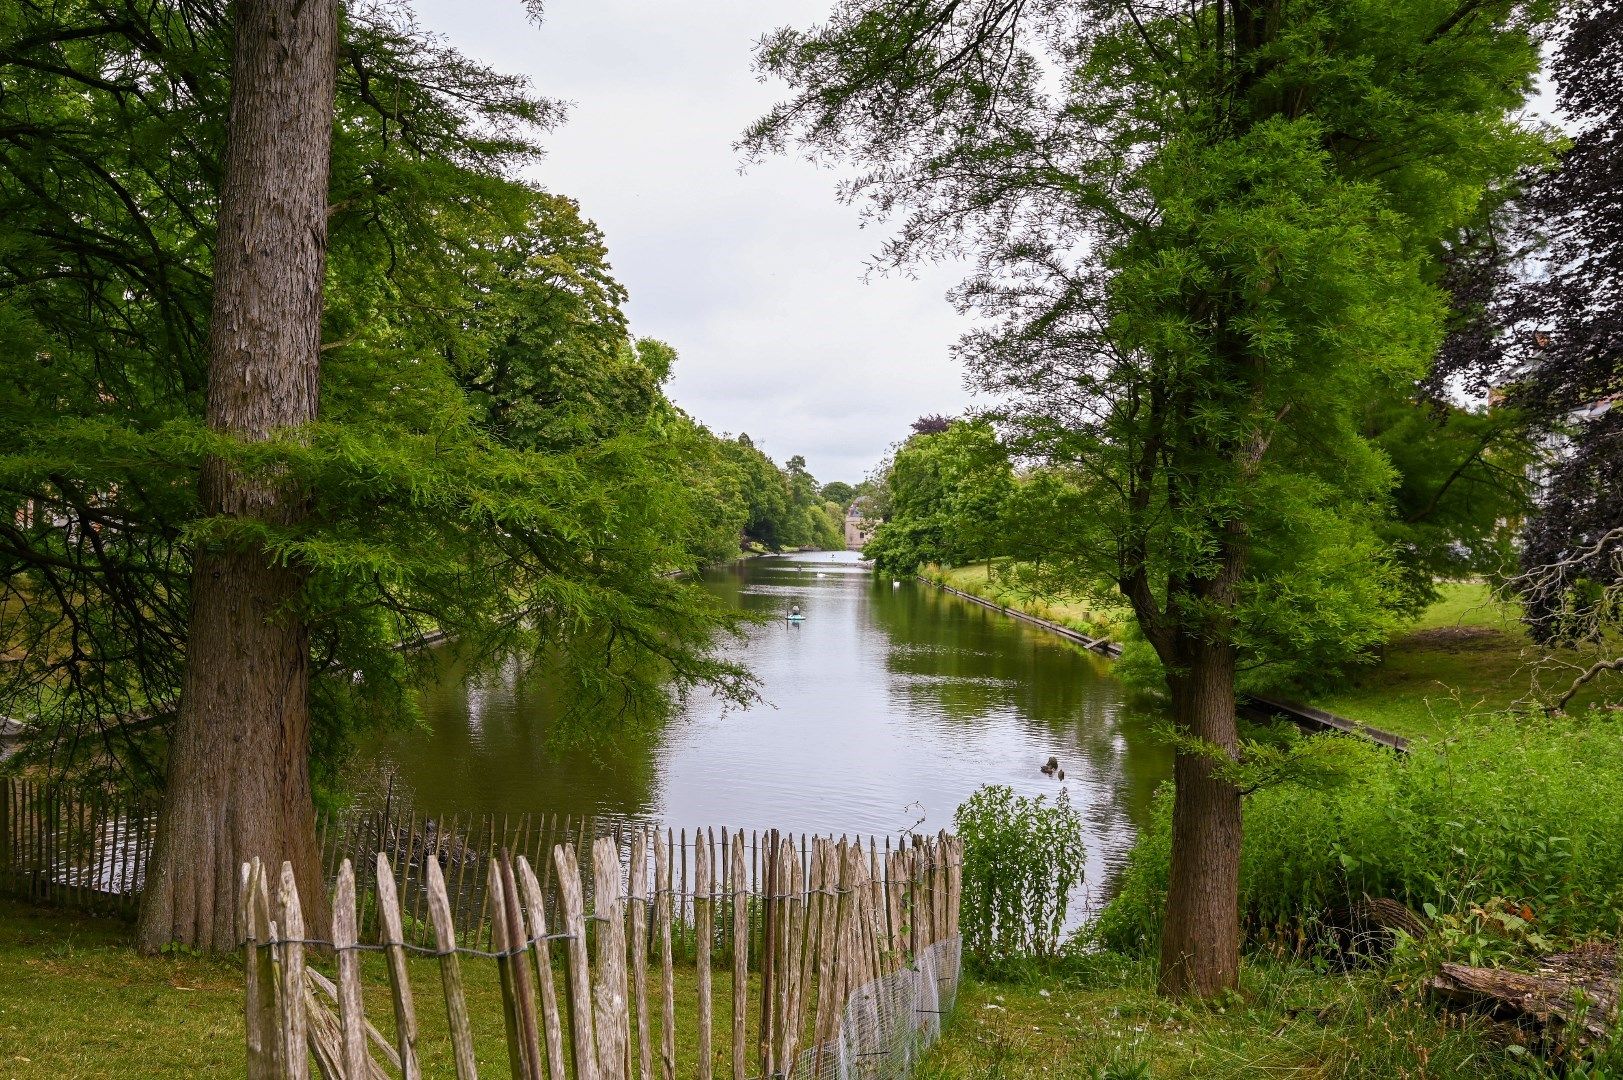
[{"x": 890, "y": 1023}]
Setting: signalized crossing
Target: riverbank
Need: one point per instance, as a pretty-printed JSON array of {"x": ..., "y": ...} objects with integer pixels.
[{"x": 1463, "y": 663}]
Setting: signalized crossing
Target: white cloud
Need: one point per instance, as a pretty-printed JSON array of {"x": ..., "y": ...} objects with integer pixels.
[{"x": 756, "y": 278}]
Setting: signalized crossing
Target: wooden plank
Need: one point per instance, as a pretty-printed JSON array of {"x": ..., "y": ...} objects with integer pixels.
[
  {"x": 295, "y": 1054},
  {"x": 612, "y": 1016},
  {"x": 939, "y": 890},
  {"x": 346, "y": 939},
  {"x": 482, "y": 928},
  {"x": 637, "y": 878},
  {"x": 551, "y": 1026},
  {"x": 456, "y": 1003},
  {"x": 741, "y": 953},
  {"x": 393, "y": 938},
  {"x": 547, "y": 863},
  {"x": 583, "y": 1041},
  {"x": 319, "y": 982},
  {"x": 662, "y": 920},
  {"x": 701, "y": 941},
  {"x": 406, "y": 855}
]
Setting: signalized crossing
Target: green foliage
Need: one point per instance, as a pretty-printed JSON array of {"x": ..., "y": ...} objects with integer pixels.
[
  {"x": 1201, "y": 253},
  {"x": 1022, "y": 858},
  {"x": 782, "y": 507},
  {"x": 495, "y": 457},
  {"x": 1462, "y": 482},
  {"x": 946, "y": 498},
  {"x": 1520, "y": 812},
  {"x": 838, "y": 492}
]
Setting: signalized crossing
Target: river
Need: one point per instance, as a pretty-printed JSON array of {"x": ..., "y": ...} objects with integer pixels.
[{"x": 882, "y": 711}]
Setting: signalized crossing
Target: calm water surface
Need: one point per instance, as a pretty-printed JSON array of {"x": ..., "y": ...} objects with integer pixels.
[{"x": 885, "y": 709}]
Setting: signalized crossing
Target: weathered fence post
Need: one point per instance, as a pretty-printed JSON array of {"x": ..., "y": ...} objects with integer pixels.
[
  {"x": 264, "y": 1034},
  {"x": 609, "y": 988},
  {"x": 393, "y": 938},
  {"x": 701, "y": 940},
  {"x": 638, "y": 882},
  {"x": 456, "y": 1004},
  {"x": 582, "y": 1039},
  {"x": 345, "y": 939},
  {"x": 662, "y": 917},
  {"x": 542, "y": 954},
  {"x": 741, "y": 953},
  {"x": 294, "y": 1053}
]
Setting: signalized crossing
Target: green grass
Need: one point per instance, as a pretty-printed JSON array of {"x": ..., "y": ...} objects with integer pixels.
[
  {"x": 76, "y": 1001},
  {"x": 1465, "y": 662},
  {"x": 1084, "y": 615},
  {"x": 1099, "y": 1017}
]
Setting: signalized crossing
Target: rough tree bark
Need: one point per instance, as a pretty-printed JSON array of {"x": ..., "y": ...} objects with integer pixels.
[
  {"x": 1200, "y": 936},
  {"x": 239, "y": 775}
]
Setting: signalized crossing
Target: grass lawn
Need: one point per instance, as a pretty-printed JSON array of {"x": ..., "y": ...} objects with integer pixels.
[
  {"x": 1084, "y": 615},
  {"x": 76, "y": 1001},
  {"x": 1465, "y": 659},
  {"x": 1100, "y": 1019}
]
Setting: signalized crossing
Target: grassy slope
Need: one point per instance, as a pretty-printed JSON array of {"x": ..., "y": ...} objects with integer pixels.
[
  {"x": 1464, "y": 659},
  {"x": 1083, "y": 616}
]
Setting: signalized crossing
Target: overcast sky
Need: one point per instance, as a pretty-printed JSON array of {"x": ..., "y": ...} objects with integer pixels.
[{"x": 756, "y": 278}]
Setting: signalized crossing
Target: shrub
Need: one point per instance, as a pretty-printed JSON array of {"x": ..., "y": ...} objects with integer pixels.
[
  {"x": 1022, "y": 858},
  {"x": 1526, "y": 811}
]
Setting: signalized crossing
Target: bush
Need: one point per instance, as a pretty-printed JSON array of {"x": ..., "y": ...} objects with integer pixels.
[
  {"x": 1526, "y": 812},
  {"x": 1022, "y": 858}
]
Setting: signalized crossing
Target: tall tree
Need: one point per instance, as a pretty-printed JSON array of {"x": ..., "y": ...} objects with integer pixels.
[
  {"x": 239, "y": 775},
  {"x": 1571, "y": 369},
  {"x": 946, "y": 493},
  {"x": 1206, "y": 235},
  {"x": 493, "y": 459}
]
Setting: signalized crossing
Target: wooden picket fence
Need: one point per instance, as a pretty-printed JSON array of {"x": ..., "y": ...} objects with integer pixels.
[
  {"x": 69, "y": 848},
  {"x": 855, "y": 962}
]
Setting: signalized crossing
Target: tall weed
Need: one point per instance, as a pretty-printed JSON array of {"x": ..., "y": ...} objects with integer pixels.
[
  {"x": 1022, "y": 858},
  {"x": 1527, "y": 810}
]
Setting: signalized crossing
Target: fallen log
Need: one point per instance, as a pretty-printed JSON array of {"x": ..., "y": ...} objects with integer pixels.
[{"x": 1572, "y": 1000}]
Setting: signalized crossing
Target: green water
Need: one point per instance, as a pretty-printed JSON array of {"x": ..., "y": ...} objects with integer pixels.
[{"x": 883, "y": 710}]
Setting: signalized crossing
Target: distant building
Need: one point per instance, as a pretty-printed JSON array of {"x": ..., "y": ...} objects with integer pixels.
[{"x": 858, "y": 527}]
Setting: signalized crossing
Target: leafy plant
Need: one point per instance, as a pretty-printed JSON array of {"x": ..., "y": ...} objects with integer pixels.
[
  {"x": 1523, "y": 811},
  {"x": 1022, "y": 858}
]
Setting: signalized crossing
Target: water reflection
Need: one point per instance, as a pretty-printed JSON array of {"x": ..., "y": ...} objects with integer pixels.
[{"x": 885, "y": 708}]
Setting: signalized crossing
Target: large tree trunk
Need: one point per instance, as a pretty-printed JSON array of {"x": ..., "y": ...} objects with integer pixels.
[
  {"x": 1200, "y": 938},
  {"x": 239, "y": 771}
]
